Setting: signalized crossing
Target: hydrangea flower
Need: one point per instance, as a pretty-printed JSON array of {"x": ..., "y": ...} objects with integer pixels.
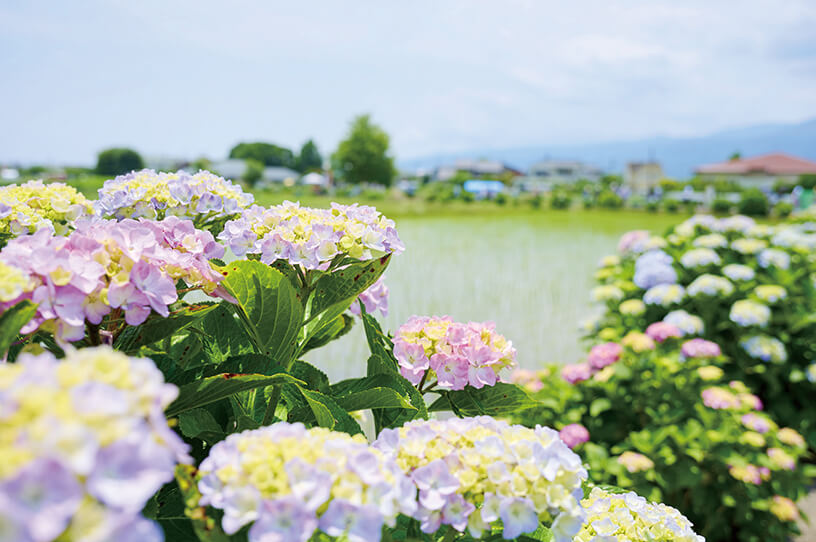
[
  {"x": 700, "y": 348},
  {"x": 606, "y": 292},
  {"x": 472, "y": 472},
  {"x": 604, "y": 354},
  {"x": 311, "y": 237},
  {"x": 85, "y": 445},
  {"x": 771, "y": 257},
  {"x": 131, "y": 265},
  {"x": 750, "y": 474},
  {"x": 748, "y": 245},
  {"x": 748, "y": 313},
  {"x": 664, "y": 295},
  {"x": 289, "y": 481},
  {"x": 770, "y": 293},
  {"x": 712, "y": 240},
  {"x": 710, "y": 285},
  {"x": 689, "y": 324},
  {"x": 454, "y": 353},
  {"x": 638, "y": 342},
  {"x": 633, "y": 241},
  {"x": 784, "y": 508},
  {"x": 765, "y": 348},
  {"x": 635, "y": 462},
  {"x": 661, "y": 331},
  {"x": 203, "y": 197},
  {"x": 791, "y": 437},
  {"x": 781, "y": 460},
  {"x": 609, "y": 261},
  {"x": 576, "y": 372},
  {"x": 689, "y": 227},
  {"x": 710, "y": 372},
  {"x": 628, "y": 516},
  {"x": 35, "y": 206},
  {"x": 738, "y": 272},
  {"x": 375, "y": 297},
  {"x": 752, "y": 438},
  {"x": 736, "y": 223},
  {"x": 574, "y": 434},
  {"x": 720, "y": 398},
  {"x": 632, "y": 307},
  {"x": 756, "y": 422},
  {"x": 811, "y": 372},
  {"x": 699, "y": 257},
  {"x": 653, "y": 268}
]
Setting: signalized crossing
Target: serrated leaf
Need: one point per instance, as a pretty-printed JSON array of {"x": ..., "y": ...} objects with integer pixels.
[
  {"x": 334, "y": 330},
  {"x": 314, "y": 378},
  {"x": 223, "y": 334},
  {"x": 214, "y": 388},
  {"x": 156, "y": 328},
  {"x": 199, "y": 423},
  {"x": 12, "y": 320},
  {"x": 329, "y": 414},
  {"x": 373, "y": 398},
  {"x": 495, "y": 400},
  {"x": 268, "y": 306}
]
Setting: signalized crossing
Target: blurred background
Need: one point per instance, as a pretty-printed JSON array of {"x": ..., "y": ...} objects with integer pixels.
[{"x": 512, "y": 141}]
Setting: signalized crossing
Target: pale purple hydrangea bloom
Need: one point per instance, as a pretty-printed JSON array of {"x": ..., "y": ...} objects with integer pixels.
[
  {"x": 755, "y": 422},
  {"x": 771, "y": 257},
  {"x": 689, "y": 324},
  {"x": 633, "y": 241},
  {"x": 735, "y": 271},
  {"x": 71, "y": 474},
  {"x": 661, "y": 331},
  {"x": 764, "y": 348},
  {"x": 700, "y": 348},
  {"x": 653, "y": 268},
  {"x": 104, "y": 265},
  {"x": 374, "y": 298}
]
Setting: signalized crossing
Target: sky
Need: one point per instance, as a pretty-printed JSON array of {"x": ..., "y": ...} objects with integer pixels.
[{"x": 191, "y": 78}]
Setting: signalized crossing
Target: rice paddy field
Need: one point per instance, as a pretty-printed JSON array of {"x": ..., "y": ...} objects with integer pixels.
[{"x": 530, "y": 272}]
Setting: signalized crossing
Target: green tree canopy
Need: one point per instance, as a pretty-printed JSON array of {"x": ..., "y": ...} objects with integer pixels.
[
  {"x": 118, "y": 161},
  {"x": 254, "y": 172},
  {"x": 266, "y": 153},
  {"x": 363, "y": 155},
  {"x": 310, "y": 158}
]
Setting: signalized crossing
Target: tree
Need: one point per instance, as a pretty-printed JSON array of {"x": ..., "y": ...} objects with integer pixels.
[
  {"x": 118, "y": 161},
  {"x": 363, "y": 155},
  {"x": 266, "y": 153},
  {"x": 735, "y": 156},
  {"x": 253, "y": 172},
  {"x": 310, "y": 158}
]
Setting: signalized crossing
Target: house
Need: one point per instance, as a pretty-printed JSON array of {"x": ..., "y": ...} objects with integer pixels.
[
  {"x": 232, "y": 168},
  {"x": 564, "y": 171},
  {"x": 483, "y": 188},
  {"x": 476, "y": 168},
  {"x": 277, "y": 175},
  {"x": 314, "y": 179},
  {"x": 643, "y": 176},
  {"x": 760, "y": 171}
]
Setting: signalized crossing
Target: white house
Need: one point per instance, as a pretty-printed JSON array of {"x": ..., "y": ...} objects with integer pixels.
[
  {"x": 563, "y": 171},
  {"x": 760, "y": 171}
]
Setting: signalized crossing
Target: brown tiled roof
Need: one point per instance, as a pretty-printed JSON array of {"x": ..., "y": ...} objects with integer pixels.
[{"x": 770, "y": 164}]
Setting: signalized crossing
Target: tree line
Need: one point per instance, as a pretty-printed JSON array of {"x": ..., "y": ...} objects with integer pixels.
[{"x": 363, "y": 156}]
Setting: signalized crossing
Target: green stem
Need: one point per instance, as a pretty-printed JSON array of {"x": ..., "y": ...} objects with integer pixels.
[
  {"x": 93, "y": 334},
  {"x": 272, "y": 406}
]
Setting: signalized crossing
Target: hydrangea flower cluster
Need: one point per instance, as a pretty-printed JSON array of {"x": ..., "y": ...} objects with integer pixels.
[
  {"x": 311, "y": 237},
  {"x": 600, "y": 356},
  {"x": 689, "y": 324},
  {"x": 738, "y": 272},
  {"x": 700, "y": 348},
  {"x": 374, "y": 298},
  {"x": 765, "y": 348},
  {"x": 35, "y": 206},
  {"x": 700, "y": 257},
  {"x": 635, "y": 462},
  {"x": 664, "y": 295},
  {"x": 83, "y": 445},
  {"x": 104, "y": 265},
  {"x": 710, "y": 285},
  {"x": 472, "y": 473},
  {"x": 770, "y": 293},
  {"x": 747, "y": 313},
  {"x": 574, "y": 434},
  {"x": 454, "y": 353},
  {"x": 289, "y": 481},
  {"x": 202, "y": 197},
  {"x": 653, "y": 268},
  {"x": 628, "y": 516}
]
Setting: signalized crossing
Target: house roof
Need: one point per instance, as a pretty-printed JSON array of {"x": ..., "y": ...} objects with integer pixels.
[{"x": 770, "y": 164}]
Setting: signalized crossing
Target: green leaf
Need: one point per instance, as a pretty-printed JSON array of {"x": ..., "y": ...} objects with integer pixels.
[
  {"x": 206, "y": 527},
  {"x": 329, "y": 414},
  {"x": 334, "y": 330},
  {"x": 373, "y": 398},
  {"x": 245, "y": 363},
  {"x": 214, "y": 388},
  {"x": 542, "y": 534},
  {"x": 268, "y": 306},
  {"x": 157, "y": 328},
  {"x": 346, "y": 284},
  {"x": 497, "y": 400},
  {"x": 315, "y": 378},
  {"x": 601, "y": 404},
  {"x": 199, "y": 423},
  {"x": 12, "y": 320},
  {"x": 223, "y": 334}
]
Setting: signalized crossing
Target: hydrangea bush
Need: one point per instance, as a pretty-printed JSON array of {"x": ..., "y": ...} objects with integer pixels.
[
  {"x": 750, "y": 287},
  {"x": 35, "y": 206},
  {"x": 662, "y": 418}
]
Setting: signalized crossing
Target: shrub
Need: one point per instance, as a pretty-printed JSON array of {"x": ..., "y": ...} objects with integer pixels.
[
  {"x": 721, "y": 206},
  {"x": 535, "y": 201},
  {"x": 500, "y": 198},
  {"x": 808, "y": 181},
  {"x": 671, "y": 205},
  {"x": 783, "y": 209},
  {"x": 652, "y": 206},
  {"x": 609, "y": 200},
  {"x": 118, "y": 161},
  {"x": 467, "y": 197},
  {"x": 560, "y": 200},
  {"x": 753, "y": 203}
]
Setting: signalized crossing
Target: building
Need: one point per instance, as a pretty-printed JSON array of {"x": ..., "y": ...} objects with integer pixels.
[
  {"x": 276, "y": 175},
  {"x": 760, "y": 171},
  {"x": 482, "y": 188},
  {"x": 643, "y": 176},
  {"x": 475, "y": 168},
  {"x": 232, "y": 168},
  {"x": 564, "y": 171}
]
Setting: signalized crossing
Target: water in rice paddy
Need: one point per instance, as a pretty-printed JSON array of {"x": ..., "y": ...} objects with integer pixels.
[{"x": 530, "y": 273}]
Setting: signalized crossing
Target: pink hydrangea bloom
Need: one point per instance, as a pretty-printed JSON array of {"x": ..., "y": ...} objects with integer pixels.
[
  {"x": 574, "y": 434},
  {"x": 577, "y": 372},
  {"x": 660, "y": 331},
  {"x": 720, "y": 398},
  {"x": 756, "y": 422},
  {"x": 456, "y": 354},
  {"x": 604, "y": 354},
  {"x": 700, "y": 348}
]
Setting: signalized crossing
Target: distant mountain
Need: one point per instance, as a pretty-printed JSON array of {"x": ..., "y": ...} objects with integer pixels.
[{"x": 679, "y": 156}]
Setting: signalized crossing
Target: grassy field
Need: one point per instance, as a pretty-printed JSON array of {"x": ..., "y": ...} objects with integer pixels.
[{"x": 530, "y": 273}]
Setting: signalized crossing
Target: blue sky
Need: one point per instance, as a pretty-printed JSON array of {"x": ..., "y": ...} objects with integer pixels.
[{"x": 191, "y": 78}]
